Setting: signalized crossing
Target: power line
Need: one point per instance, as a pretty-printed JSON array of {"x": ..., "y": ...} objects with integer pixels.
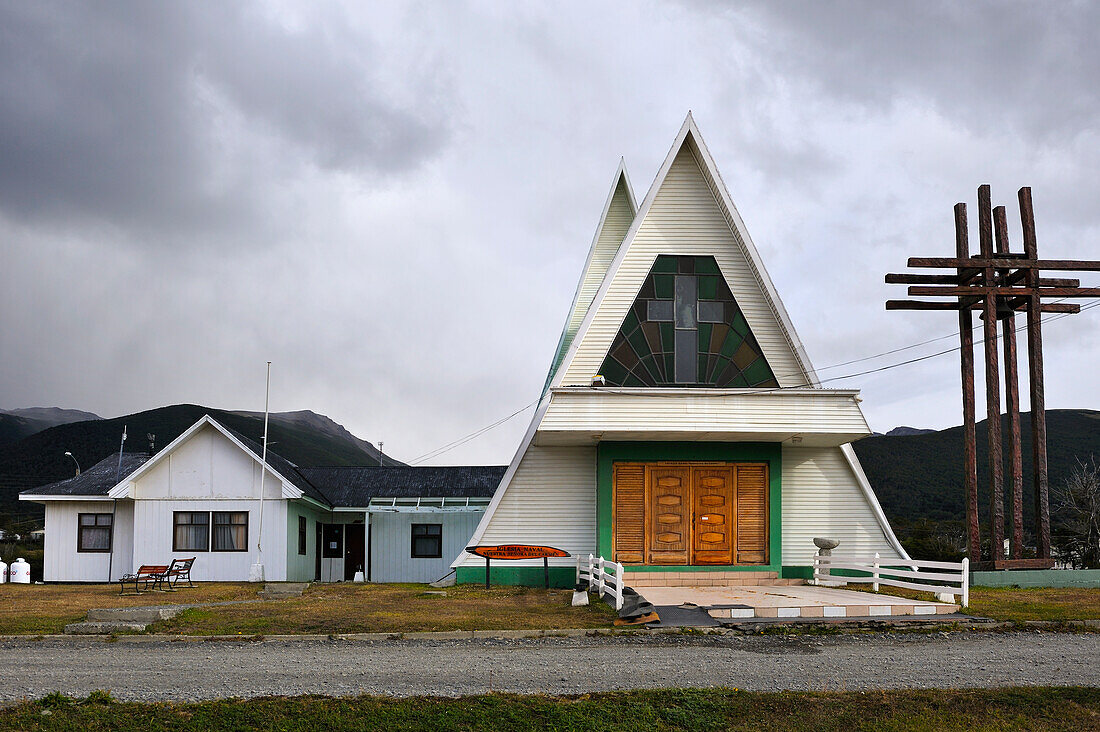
[{"x": 463, "y": 440}]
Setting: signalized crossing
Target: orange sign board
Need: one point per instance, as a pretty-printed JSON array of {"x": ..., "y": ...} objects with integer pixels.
[{"x": 516, "y": 551}]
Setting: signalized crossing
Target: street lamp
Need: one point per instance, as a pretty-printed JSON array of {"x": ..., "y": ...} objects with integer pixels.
[{"x": 75, "y": 461}]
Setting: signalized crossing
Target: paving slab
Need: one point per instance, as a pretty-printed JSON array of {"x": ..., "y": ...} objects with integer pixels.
[{"x": 798, "y": 601}]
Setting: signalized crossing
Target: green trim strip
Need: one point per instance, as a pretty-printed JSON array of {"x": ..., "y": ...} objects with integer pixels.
[
  {"x": 758, "y": 452},
  {"x": 526, "y": 576}
]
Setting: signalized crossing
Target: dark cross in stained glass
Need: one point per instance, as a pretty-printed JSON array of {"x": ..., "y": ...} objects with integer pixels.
[{"x": 685, "y": 329}]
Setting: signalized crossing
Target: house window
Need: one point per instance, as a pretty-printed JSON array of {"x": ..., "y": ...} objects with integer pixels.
[
  {"x": 230, "y": 531},
  {"x": 191, "y": 531},
  {"x": 93, "y": 532},
  {"x": 302, "y": 535},
  {"x": 427, "y": 541}
]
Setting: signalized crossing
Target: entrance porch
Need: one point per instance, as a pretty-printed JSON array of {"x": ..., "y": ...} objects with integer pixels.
[{"x": 748, "y": 602}]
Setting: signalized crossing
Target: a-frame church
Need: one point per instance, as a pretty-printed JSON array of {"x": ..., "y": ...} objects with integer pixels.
[{"x": 682, "y": 426}]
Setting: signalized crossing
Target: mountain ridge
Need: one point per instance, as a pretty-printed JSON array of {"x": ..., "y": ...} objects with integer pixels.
[{"x": 304, "y": 438}]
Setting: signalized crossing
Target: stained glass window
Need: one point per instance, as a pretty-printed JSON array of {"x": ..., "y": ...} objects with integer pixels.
[{"x": 685, "y": 329}]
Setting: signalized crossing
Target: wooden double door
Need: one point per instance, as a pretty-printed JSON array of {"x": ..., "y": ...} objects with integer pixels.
[{"x": 690, "y": 513}]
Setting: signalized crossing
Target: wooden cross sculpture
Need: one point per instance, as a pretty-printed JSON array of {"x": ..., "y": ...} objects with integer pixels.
[{"x": 999, "y": 283}]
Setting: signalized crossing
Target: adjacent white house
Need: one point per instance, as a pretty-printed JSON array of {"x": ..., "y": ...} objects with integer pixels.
[
  {"x": 682, "y": 425},
  {"x": 201, "y": 496}
]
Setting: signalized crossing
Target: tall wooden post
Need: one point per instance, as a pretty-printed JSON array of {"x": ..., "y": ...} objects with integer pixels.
[
  {"x": 1038, "y": 394},
  {"x": 970, "y": 457},
  {"x": 1012, "y": 399},
  {"x": 992, "y": 379},
  {"x": 1000, "y": 283}
]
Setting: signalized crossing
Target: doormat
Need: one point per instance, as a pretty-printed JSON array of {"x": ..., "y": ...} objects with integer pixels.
[{"x": 679, "y": 616}]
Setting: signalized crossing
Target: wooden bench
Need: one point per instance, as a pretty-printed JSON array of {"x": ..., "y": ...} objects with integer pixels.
[
  {"x": 146, "y": 574},
  {"x": 179, "y": 570}
]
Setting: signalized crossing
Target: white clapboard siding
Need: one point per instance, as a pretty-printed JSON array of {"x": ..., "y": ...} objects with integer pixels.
[
  {"x": 767, "y": 415},
  {"x": 821, "y": 497},
  {"x": 153, "y": 525},
  {"x": 63, "y": 563},
  {"x": 550, "y": 501},
  {"x": 206, "y": 465},
  {"x": 685, "y": 218},
  {"x": 620, "y": 214},
  {"x": 391, "y": 544}
]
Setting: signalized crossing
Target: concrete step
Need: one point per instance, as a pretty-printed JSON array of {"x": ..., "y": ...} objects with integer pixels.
[
  {"x": 283, "y": 590},
  {"x": 745, "y": 612},
  {"x": 102, "y": 628},
  {"x": 145, "y": 615}
]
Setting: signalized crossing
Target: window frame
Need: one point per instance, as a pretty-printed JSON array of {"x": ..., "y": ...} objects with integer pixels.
[
  {"x": 175, "y": 544},
  {"x": 303, "y": 529},
  {"x": 231, "y": 514},
  {"x": 438, "y": 536},
  {"x": 110, "y": 527}
]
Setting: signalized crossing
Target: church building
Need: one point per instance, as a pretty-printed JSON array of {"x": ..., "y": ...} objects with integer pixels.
[{"x": 682, "y": 426}]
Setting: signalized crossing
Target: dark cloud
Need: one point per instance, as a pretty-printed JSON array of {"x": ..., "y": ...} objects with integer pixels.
[
  {"x": 181, "y": 117},
  {"x": 1030, "y": 65},
  {"x": 393, "y": 202}
]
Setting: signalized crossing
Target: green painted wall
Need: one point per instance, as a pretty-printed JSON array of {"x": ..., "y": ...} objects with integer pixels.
[
  {"x": 758, "y": 452},
  {"x": 527, "y": 576},
  {"x": 299, "y": 567},
  {"x": 1037, "y": 578}
]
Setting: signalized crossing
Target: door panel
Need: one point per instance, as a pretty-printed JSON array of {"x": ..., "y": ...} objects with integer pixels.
[
  {"x": 669, "y": 523},
  {"x": 752, "y": 514},
  {"x": 690, "y": 513},
  {"x": 712, "y": 524},
  {"x": 628, "y": 512}
]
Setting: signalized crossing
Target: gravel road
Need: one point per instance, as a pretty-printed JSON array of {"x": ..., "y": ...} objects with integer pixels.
[{"x": 165, "y": 670}]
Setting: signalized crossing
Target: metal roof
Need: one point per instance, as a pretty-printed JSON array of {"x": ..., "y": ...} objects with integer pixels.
[
  {"x": 96, "y": 480},
  {"x": 356, "y": 486}
]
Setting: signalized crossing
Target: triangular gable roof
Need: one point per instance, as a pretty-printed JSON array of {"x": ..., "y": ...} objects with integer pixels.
[
  {"x": 688, "y": 137},
  {"x": 289, "y": 487},
  {"x": 618, "y": 214}
]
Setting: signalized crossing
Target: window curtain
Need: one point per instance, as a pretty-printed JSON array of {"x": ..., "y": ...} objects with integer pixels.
[{"x": 230, "y": 531}]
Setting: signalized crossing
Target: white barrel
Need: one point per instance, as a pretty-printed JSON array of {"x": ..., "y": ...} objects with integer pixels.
[
  {"x": 20, "y": 572},
  {"x": 3, "y": 572}
]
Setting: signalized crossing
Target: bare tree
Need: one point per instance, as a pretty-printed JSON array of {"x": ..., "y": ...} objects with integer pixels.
[{"x": 1077, "y": 514}]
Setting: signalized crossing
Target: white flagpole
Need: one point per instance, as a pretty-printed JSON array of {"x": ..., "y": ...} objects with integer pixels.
[{"x": 256, "y": 573}]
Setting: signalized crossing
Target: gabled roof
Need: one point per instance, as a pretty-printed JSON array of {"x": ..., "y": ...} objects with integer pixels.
[
  {"x": 618, "y": 213},
  {"x": 281, "y": 466},
  {"x": 294, "y": 485},
  {"x": 689, "y": 138},
  {"x": 352, "y": 487},
  {"x": 96, "y": 480}
]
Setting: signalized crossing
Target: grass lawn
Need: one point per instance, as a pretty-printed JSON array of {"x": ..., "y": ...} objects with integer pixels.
[
  {"x": 1017, "y": 605},
  {"x": 399, "y": 608},
  {"x": 46, "y": 609},
  {"x": 701, "y": 709}
]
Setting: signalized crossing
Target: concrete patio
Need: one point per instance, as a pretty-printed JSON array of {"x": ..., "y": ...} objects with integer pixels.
[{"x": 795, "y": 601}]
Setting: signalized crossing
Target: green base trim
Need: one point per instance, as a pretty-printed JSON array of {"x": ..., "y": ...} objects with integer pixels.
[
  {"x": 523, "y": 576},
  {"x": 608, "y": 453},
  {"x": 796, "y": 572},
  {"x": 1037, "y": 578}
]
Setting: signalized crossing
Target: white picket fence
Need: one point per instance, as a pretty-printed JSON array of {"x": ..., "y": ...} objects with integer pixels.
[
  {"x": 594, "y": 571},
  {"x": 951, "y": 577}
]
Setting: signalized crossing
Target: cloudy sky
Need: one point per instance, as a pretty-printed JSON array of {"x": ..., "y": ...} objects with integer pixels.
[{"x": 394, "y": 204}]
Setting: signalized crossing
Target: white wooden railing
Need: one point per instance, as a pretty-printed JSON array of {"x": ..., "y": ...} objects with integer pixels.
[
  {"x": 594, "y": 571},
  {"x": 951, "y": 577}
]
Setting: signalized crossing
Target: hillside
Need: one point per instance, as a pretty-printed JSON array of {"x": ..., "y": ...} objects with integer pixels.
[
  {"x": 918, "y": 478},
  {"x": 304, "y": 438},
  {"x": 15, "y": 424}
]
